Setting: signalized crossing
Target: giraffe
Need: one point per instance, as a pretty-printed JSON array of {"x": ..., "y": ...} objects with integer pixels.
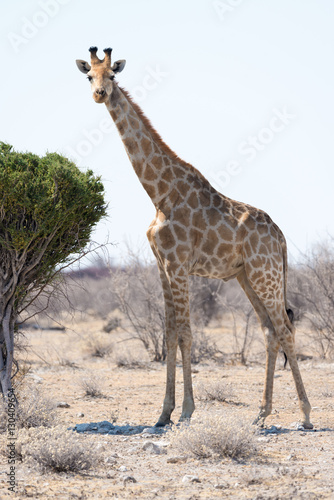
[{"x": 199, "y": 231}]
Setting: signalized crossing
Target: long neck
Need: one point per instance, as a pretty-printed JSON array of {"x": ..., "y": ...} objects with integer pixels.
[{"x": 152, "y": 160}]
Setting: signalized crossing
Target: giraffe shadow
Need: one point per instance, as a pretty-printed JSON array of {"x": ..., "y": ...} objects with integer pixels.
[
  {"x": 109, "y": 428},
  {"x": 273, "y": 430}
]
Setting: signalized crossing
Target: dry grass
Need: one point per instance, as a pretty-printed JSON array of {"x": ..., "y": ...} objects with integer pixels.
[
  {"x": 92, "y": 386},
  {"x": 98, "y": 347},
  {"x": 214, "y": 391},
  {"x": 58, "y": 450},
  {"x": 214, "y": 437},
  {"x": 129, "y": 361},
  {"x": 33, "y": 410}
]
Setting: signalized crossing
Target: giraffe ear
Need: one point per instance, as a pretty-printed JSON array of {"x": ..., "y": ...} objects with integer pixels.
[
  {"x": 83, "y": 66},
  {"x": 118, "y": 66}
]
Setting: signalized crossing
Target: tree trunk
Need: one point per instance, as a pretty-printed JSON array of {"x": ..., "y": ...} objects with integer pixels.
[{"x": 7, "y": 322}]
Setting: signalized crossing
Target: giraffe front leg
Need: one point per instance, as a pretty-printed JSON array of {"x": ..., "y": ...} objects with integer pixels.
[
  {"x": 185, "y": 341},
  {"x": 171, "y": 344},
  {"x": 272, "y": 346},
  {"x": 180, "y": 291},
  {"x": 169, "y": 400}
]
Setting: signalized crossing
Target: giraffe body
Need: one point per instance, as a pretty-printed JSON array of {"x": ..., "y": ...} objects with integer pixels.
[{"x": 198, "y": 231}]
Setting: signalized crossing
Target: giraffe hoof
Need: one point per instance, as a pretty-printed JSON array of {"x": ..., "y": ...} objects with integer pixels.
[
  {"x": 307, "y": 425},
  {"x": 163, "y": 424},
  {"x": 259, "y": 421}
]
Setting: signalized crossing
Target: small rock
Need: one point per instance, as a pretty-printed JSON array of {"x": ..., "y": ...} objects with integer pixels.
[
  {"x": 80, "y": 415},
  {"x": 153, "y": 448},
  {"x": 176, "y": 460},
  {"x": 110, "y": 460},
  {"x": 62, "y": 404},
  {"x": 129, "y": 479},
  {"x": 122, "y": 468},
  {"x": 100, "y": 448},
  {"x": 190, "y": 479},
  {"x": 220, "y": 486},
  {"x": 291, "y": 456},
  {"x": 149, "y": 430}
]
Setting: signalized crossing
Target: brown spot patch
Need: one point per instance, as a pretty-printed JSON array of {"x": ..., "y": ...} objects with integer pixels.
[
  {"x": 146, "y": 146},
  {"x": 224, "y": 250},
  {"x": 180, "y": 232},
  {"x": 182, "y": 215},
  {"x": 167, "y": 175},
  {"x": 132, "y": 146},
  {"x": 250, "y": 223},
  {"x": 150, "y": 190},
  {"x": 212, "y": 236},
  {"x": 193, "y": 200},
  {"x": 122, "y": 126},
  {"x": 162, "y": 187},
  {"x": 198, "y": 220},
  {"x": 196, "y": 236},
  {"x": 254, "y": 241},
  {"x": 182, "y": 252},
  {"x": 205, "y": 198},
  {"x": 179, "y": 172},
  {"x": 150, "y": 174},
  {"x": 157, "y": 162},
  {"x": 214, "y": 216},
  {"x": 263, "y": 250},
  {"x": 166, "y": 237},
  {"x": 217, "y": 201},
  {"x": 134, "y": 122},
  {"x": 138, "y": 167},
  {"x": 225, "y": 232}
]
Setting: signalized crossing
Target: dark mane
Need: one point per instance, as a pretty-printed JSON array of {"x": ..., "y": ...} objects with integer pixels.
[{"x": 157, "y": 138}]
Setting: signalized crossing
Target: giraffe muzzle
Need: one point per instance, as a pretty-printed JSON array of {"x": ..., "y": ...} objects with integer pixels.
[{"x": 99, "y": 95}]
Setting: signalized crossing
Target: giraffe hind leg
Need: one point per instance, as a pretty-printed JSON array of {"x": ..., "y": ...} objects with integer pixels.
[
  {"x": 271, "y": 344},
  {"x": 274, "y": 304}
]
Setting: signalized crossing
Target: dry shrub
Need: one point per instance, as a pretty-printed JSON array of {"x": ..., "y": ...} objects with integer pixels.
[
  {"x": 57, "y": 450},
  {"x": 3, "y": 416},
  {"x": 203, "y": 347},
  {"x": 214, "y": 391},
  {"x": 91, "y": 385},
  {"x": 33, "y": 410},
  {"x": 214, "y": 437},
  {"x": 127, "y": 360},
  {"x": 98, "y": 347}
]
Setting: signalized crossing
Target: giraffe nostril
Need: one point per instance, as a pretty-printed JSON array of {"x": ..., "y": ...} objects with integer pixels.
[{"x": 100, "y": 91}]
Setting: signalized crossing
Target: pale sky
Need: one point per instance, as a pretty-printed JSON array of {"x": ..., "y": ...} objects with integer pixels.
[{"x": 243, "y": 90}]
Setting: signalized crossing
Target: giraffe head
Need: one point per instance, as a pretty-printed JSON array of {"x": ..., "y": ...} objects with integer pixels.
[{"x": 101, "y": 73}]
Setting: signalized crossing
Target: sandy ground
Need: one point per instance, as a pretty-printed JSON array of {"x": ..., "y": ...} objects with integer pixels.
[{"x": 289, "y": 463}]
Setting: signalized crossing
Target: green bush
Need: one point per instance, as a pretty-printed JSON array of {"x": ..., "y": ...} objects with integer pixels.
[{"x": 48, "y": 209}]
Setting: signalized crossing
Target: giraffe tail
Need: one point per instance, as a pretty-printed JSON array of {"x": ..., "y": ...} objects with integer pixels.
[{"x": 289, "y": 311}]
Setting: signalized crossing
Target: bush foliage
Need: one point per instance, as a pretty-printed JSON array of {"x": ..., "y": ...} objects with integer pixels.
[{"x": 48, "y": 209}]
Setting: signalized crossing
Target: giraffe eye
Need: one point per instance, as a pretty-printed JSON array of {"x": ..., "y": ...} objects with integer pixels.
[
  {"x": 112, "y": 77},
  {"x": 89, "y": 78}
]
